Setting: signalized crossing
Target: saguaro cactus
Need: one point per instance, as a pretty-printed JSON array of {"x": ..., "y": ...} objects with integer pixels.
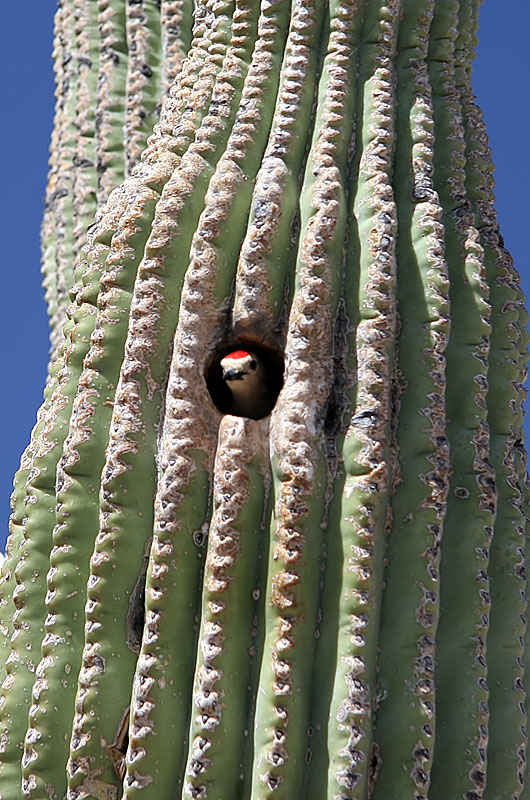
[{"x": 328, "y": 603}]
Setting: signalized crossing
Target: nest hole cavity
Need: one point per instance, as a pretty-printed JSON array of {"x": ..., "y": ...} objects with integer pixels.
[{"x": 254, "y": 392}]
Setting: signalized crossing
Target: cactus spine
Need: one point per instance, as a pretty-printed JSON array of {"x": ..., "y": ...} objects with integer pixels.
[{"x": 329, "y": 603}]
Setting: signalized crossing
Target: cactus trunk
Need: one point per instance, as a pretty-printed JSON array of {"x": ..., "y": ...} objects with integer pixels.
[{"x": 328, "y": 603}]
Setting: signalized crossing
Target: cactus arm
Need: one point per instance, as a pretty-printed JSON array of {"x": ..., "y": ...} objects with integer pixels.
[
  {"x": 62, "y": 208},
  {"x": 48, "y": 248},
  {"x": 224, "y": 675},
  {"x": 144, "y": 76},
  {"x": 84, "y": 157},
  {"x": 406, "y": 693},
  {"x": 175, "y": 23},
  {"x": 112, "y": 52},
  {"x": 112, "y": 81}
]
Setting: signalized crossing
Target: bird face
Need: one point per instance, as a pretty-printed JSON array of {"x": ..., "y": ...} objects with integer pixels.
[
  {"x": 246, "y": 380},
  {"x": 238, "y": 366}
]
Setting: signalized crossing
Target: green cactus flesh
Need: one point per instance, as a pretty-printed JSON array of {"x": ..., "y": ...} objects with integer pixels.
[{"x": 328, "y": 603}]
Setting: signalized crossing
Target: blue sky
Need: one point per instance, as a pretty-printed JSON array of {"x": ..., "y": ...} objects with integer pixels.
[{"x": 26, "y": 79}]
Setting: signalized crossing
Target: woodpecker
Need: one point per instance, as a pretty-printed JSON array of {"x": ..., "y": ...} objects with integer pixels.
[{"x": 247, "y": 382}]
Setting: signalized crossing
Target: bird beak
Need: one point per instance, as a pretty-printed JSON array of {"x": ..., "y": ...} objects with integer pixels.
[{"x": 233, "y": 374}]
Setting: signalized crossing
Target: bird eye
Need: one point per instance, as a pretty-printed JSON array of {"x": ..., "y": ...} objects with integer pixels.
[{"x": 253, "y": 364}]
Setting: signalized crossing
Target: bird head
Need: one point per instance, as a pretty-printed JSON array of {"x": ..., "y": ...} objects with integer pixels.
[
  {"x": 239, "y": 366},
  {"x": 246, "y": 380}
]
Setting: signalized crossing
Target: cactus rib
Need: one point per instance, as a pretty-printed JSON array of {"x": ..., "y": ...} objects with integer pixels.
[
  {"x": 410, "y": 610},
  {"x": 365, "y": 449}
]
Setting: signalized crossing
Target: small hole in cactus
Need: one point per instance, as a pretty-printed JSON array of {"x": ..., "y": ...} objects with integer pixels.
[
  {"x": 244, "y": 378},
  {"x": 199, "y": 537}
]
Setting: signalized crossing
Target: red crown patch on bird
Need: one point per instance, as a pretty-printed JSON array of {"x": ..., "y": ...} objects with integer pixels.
[{"x": 237, "y": 354}]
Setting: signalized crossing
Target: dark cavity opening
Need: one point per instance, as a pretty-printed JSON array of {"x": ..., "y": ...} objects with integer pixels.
[{"x": 263, "y": 397}]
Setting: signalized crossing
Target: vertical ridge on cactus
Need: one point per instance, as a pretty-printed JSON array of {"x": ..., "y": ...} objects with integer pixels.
[
  {"x": 419, "y": 498},
  {"x": 330, "y": 602},
  {"x": 462, "y": 665}
]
